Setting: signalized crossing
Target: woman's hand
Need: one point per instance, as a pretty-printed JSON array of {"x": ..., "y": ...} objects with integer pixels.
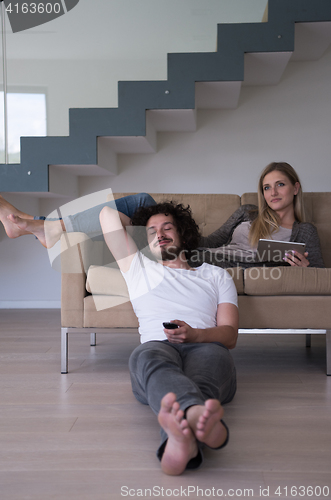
[
  {"x": 296, "y": 259},
  {"x": 185, "y": 333}
]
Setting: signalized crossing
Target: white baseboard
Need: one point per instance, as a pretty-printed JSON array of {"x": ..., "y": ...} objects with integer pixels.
[
  {"x": 290, "y": 331},
  {"x": 30, "y": 304}
]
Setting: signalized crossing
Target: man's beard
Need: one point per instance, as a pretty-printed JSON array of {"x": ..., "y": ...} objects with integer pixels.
[{"x": 170, "y": 253}]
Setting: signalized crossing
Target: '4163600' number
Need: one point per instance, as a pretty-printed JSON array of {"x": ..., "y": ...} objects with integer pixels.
[
  {"x": 34, "y": 8},
  {"x": 303, "y": 491}
]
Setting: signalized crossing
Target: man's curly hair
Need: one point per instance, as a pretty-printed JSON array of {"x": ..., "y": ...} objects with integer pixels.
[{"x": 186, "y": 226}]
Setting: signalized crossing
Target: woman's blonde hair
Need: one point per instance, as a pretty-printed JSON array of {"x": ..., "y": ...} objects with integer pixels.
[{"x": 267, "y": 220}]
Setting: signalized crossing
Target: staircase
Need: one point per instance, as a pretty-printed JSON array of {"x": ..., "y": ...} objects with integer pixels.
[{"x": 247, "y": 54}]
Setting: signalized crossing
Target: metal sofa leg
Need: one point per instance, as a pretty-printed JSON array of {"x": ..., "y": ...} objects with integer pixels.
[
  {"x": 328, "y": 351},
  {"x": 308, "y": 339},
  {"x": 93, "y": 339},
  {"x": 64, "y": 350}
]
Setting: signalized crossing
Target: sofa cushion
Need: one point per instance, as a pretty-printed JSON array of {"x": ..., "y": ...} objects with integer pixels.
[
  {"x": 287, "y": 281},
  {"x": 282, "y": 312},
  {"x": 249, "y": 198},
  {"x": 318, "y": 208},
  {"x": 237, "y": 274},
  {"x": 103, "y": 280},
  {"x": 112, "y": 314}
]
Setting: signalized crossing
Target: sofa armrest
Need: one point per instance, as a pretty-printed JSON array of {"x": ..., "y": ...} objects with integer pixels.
[
  {"x": 73, "y": 293},
  {"x": 77, "y": 250}
]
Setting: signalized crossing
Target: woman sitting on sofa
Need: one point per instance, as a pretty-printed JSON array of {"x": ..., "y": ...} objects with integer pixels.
[{"x": 279, "y": 216}]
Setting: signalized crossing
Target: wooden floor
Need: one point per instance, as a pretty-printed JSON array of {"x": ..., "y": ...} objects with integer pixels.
[{"x": 84, "y": 436}]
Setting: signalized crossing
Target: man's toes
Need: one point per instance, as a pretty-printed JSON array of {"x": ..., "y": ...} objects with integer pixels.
[
  {"x": 179, "y": 415},
  {"x": 168, "y": 400},
  {"x": 213, "y": 405},
  {"x": 175, "y": 408}
]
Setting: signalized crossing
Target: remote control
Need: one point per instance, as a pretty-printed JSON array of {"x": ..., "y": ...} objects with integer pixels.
[{"x": 170, "y": 326}]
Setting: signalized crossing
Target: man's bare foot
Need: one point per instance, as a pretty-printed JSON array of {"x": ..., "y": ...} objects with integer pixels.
[
  {"x": 205, "y": 423},
  {"x": 11, "y": 229},
  {"x": 181, "y": 444},
  {"x": 47, "y": 232}
]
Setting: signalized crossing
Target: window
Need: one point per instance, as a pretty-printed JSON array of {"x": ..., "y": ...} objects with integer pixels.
[{"x": 26, "y": 113}]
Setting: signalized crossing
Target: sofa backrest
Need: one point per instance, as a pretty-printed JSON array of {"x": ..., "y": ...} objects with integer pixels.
[
  {"x": 318, "y": 212},
  {"x": 211, "y": 210}
]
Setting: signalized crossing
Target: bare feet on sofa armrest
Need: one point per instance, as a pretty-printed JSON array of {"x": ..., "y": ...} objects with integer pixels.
[
  {"x": 11, "y": 229},
  {"x": 18, "y": 223}
]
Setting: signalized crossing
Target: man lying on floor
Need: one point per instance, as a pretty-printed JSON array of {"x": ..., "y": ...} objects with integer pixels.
[{"x": 184, "y": 374}]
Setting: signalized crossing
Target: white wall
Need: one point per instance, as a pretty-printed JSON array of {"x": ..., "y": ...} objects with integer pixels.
[
  {"x": 80, "y": 83},
  {"x": 26, "y": 279},
  {"x": 288, "y": 122}
]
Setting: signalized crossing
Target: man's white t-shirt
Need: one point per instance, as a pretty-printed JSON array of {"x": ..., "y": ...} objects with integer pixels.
[{"x": 159, "y": 293}]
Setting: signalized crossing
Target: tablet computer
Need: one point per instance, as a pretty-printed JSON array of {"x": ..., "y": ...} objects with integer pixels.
[{"x": 274, "y": 251}]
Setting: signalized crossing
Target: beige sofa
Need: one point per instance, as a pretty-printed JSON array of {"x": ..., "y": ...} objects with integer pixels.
[{"x": 277, "y": 300}]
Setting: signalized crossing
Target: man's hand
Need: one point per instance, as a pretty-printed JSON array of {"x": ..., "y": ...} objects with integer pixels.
[
  {"x": 226, "y": 331},
  {"x": 185, "y": 333}
]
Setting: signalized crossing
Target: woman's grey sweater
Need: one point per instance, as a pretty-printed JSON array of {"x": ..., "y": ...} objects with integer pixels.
[{"x": 302, "y": 232}]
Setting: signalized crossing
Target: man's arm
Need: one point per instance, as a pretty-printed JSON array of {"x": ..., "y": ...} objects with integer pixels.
[
  {"x": 226, "y": 331},
  {"x": 116, "y": 237}
]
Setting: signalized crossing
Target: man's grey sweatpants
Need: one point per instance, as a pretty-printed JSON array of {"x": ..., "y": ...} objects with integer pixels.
[{"x": 195, "y": 372}]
